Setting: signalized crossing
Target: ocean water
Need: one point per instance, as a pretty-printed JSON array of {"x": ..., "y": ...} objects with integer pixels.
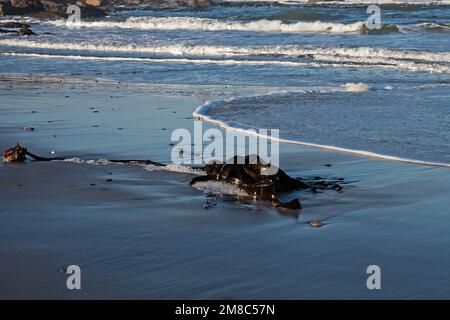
[{"x": 381, "y": 93}]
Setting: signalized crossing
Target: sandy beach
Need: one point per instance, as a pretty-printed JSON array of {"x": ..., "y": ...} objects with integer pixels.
[{"x": 139, "y": 233}]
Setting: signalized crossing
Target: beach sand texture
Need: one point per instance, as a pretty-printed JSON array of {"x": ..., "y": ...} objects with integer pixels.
[{"x": 139, "y": 233}]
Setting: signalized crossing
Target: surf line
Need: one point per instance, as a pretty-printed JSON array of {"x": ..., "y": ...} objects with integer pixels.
[{"x": 201, "y": 114}]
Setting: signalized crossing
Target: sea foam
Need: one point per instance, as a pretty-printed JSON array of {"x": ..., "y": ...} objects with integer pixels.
[
  {"x": 207, "y": 113},
  {"x": 205, "y": 24}
]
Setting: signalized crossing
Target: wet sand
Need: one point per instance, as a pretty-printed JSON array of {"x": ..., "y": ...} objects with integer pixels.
[{"x": 145, "y": 234}]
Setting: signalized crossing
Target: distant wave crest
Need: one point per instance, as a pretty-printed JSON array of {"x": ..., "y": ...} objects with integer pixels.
[{"x": 205, "y": 24}]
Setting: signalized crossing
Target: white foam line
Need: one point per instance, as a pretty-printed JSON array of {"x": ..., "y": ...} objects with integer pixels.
[
  {"x": 201, "y": 113},
  {"x": 233, "y": 51},
  {"x": 404, "y": 66},
  {"x": 206, "y": 24},
  {"x": 176, "y": 168}
]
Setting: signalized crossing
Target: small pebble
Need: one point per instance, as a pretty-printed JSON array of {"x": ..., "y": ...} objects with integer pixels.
[{"x": 316, "y": 224}]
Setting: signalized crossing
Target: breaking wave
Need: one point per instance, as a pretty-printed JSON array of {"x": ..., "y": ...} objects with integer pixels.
[
  {"x": 263, "y": 25},
  {"x": 413, "y": 61},
  {"x": 220, "y": 51},
  {"x": 215, "y": 112},
  {"x": 205, "y": 24},
  {"x": 404, "y": 66}
]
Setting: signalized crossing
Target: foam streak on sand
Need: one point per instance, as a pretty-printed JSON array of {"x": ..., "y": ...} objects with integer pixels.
[
  {"x": 220, "y": 188},
  {"x": 202, "y": 112},
  {"x": 150, "y": 167}
]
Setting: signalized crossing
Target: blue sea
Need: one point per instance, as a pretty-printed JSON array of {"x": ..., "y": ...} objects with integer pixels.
[{"x": 319, "y": 74}]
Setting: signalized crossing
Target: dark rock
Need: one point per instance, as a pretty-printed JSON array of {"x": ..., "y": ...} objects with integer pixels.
[
  {"x": 5, "y": 8},
  {"x": 56, "y": 9},
  {"x": 14, "y": 24},
  {"x": 198, "y": 4},
  {"x": 92, "y": 12},
  {"x": 7, "y": 31},
  {"x": 93, "y": 3},
  {"x": 246, "y": 173},
  {"x": 25, "y": 31},
  {"x": 11, "y": 27},
  {"x": 316, "y": 224},
  {"x": 22, "y": 7},
  {"x": 52, "y": 9},
  {"x": 15, "y": 154},
  {"x": 167, "y": 4}
]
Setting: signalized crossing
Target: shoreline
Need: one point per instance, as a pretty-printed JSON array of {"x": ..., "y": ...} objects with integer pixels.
[{"x": 201, "y": 113}]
